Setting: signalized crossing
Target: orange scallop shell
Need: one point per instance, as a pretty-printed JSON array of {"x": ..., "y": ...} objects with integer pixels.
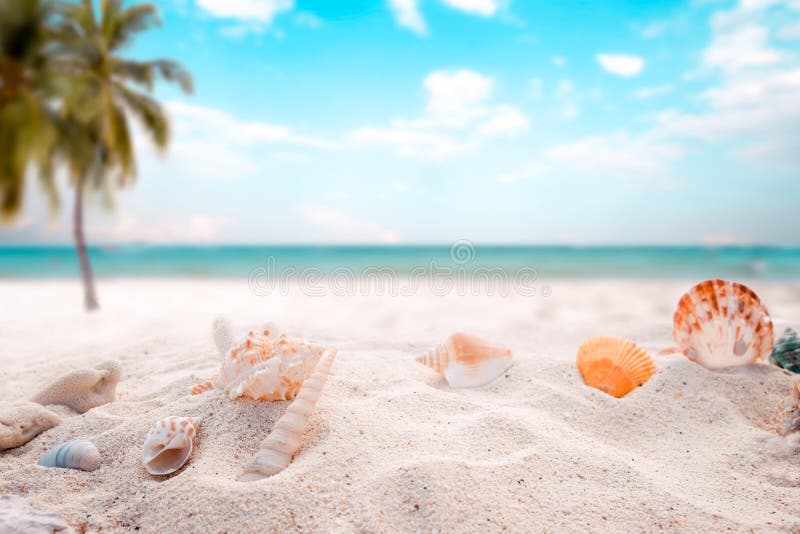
[
  {"x": 614, "y": 365},
  {"x": 720, "y": 323}
]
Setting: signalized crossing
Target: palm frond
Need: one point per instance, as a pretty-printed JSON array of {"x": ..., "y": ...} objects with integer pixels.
[
  {"x": 120, "y": 26},
  {"x": 149, "y": 113},
  {"x": 140, "y": 73},
  {"x": 173, "y": 71},
  {"x": 122, "y": 145}
]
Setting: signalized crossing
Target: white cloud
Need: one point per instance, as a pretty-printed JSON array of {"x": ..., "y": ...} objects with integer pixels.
[
  {"x": 740, "y": 48},
  {"x": 456, "y": 92},
  {"x": 532, "y": 170},
  {"x": 263, "y": 11},
  {"x": 407, "y": 14},
  {"x": 21, "y": 223},
  {"x": 558, "y": 61},
  {"x": 459, "y": 115},
  {"x": 126, "y": 228},
  {"x": 331, "y": 225},
  {"x": 199, "y": 120},
  {"x": 616, "y": 155},
  {"x": 211, "y": 144},
  {"x": 621, "y": 64},
  {"x": 744, "y": 109},
  {"x": 755, "y": 90},
  {"x": 504, "y": 120},
  {"x": 651, "y": 92},
  {"x": 790, "y": 31},
  {"x": 754, "y": 108},
  {"x": 483, "y": 8},
  {"x": 412, "y": 143}
]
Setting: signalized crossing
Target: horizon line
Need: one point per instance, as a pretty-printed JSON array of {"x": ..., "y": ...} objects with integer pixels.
[{"x": 402, "y": 245}]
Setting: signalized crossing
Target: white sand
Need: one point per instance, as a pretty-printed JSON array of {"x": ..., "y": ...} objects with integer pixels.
[{"x": 391, "y": 447}]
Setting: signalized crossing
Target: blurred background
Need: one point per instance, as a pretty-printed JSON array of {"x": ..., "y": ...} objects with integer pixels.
[{"x": 654, "y": 139}]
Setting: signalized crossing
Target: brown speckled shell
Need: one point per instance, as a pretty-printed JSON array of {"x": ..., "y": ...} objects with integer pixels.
[{"x": 720, "y": 323}]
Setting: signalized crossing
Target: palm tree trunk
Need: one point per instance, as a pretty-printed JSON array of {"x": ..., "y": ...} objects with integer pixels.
[{"x": 90, "y": 295}]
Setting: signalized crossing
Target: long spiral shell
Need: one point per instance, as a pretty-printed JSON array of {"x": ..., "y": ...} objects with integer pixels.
[
  {"x": 277, "y": 450},
  {"x": 76, "y": 454}
]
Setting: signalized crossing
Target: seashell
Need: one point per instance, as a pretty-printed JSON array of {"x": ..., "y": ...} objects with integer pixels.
[
  {"x": 76, "y": 454},
  {"x": 222, "y": 331},
  {"x": 21, "y": 421},
  {"x": 83, "y": 389},
  {"x": 467, "y": 361},
  {"x": 18, "y": 516},
  {"x": 202, "y": 387},
  {"x": 169, "y": 444},
  {"x": 265, "y": 366},
  {"x": 614, "y": 365},
  {"x": 791, "y": 413},
  {"x": 720, "y": 323},
  {"x": 786, "y": 353},
  {"x": 277, "y": 450}
]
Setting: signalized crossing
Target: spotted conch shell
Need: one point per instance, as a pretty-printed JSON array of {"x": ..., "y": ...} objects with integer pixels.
[
  {"x": 266, "y": 366},
  {"x": 720, "y": 324},
  {"x": 76, "y": 454},
  {"x": 279, "y": 447},
  {"x": 467, "y": 361},
  {"x": 169, "y": 444}
]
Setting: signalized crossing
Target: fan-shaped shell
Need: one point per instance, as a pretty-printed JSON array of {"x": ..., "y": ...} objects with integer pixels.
[
  {"x": 786, "y": 353},
  {"x": 169, "y": 444},
  {"x": 267, "y": 366},
  {"x": 614, "y": 365},
  {"x": 467, "y": 361},
  {"x": 720, "y": 323},
  {"x": 76, "y": 454}
]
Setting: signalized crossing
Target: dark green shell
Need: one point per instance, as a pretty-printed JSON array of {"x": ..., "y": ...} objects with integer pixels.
[{"x": 786, "y": 352}]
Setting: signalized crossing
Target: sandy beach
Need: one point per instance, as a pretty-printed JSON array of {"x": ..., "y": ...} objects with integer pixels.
[{"x": 391, "y": 447}]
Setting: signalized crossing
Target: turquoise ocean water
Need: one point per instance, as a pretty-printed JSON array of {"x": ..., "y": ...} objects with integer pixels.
[{"x": 770, "y": 263}]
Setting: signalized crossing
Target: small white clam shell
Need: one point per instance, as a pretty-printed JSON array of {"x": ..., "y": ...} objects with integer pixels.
[
  {"x": 169, "y": 444},
  {"x": 76, "y": 454}
]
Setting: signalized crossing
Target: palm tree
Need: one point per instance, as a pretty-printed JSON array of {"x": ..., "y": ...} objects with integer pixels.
[
  {"x": 103, "y": 97},
  {"x": 66, "y": 96},
  {"x": 28, "y": 81}
]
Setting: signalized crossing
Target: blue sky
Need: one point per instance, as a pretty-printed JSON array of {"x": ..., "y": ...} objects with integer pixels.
[{"x": 427, "y": 121}]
